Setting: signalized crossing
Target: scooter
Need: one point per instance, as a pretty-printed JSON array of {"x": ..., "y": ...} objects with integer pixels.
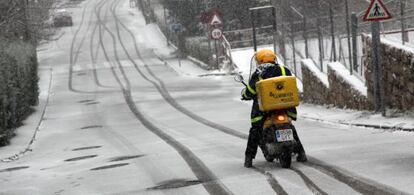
[{"x": 277, "y": 137}]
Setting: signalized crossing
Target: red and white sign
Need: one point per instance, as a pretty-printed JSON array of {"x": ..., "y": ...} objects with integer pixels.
[
  {"x": 377, "y": 11},
  {"x": 215, "y": 20},
  {"x": 216, "y": 33}
]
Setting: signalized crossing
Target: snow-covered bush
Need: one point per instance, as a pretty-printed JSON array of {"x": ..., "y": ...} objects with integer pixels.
[
  {"x": 197, "y": 47},
  {"x": 18, "y": 85}
]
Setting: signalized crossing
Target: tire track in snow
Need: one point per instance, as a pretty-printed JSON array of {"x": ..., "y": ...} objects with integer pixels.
[
  {"x": 272, "y": 181},
  {"x": 357, "y": 183},
  {"x": 311, "y": 185},
  {"x": 210, "y": 182},
  {"x": 114, "y": 137},
  {"x": 94, "y": 56},
  {"x": 348, "y": 179},
  {"x": 73, "y": 56},
  {"x": 165, "y": 94}
]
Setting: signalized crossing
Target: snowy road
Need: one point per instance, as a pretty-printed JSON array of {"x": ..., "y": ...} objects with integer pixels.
[{"x": 120, "y": 120}]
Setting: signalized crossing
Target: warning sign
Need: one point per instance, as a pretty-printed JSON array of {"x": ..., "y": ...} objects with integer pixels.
[
  {"x": 215, "y": 21},
  {"x": 377, "y": 11}
]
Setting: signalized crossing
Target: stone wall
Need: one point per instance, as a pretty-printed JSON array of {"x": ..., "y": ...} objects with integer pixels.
[
  {"x": 398, "y": 74},
  {"x": 397, "y": 65},
  {"x": 314, "y": 91},
  {"x": 340, "y": 92},
  {"x": 343, "y": 95}
]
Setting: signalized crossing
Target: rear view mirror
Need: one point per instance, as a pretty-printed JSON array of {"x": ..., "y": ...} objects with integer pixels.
[{"x": 239, "y": 78}]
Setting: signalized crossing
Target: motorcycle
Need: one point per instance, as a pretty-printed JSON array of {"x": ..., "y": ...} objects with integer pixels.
[{"x": 278, "y": 135}]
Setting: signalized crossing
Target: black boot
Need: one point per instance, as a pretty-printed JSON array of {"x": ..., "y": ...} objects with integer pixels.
[
  {"x": 248, "y": 162},
  {"x": 301, "y": 157},
  {"x": 301, "y": 153}
]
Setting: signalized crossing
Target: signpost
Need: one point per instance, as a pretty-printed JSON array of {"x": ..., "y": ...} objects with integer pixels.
[
  {"x": 177, "y": 29},
  {"x": 216, "y": 25},
  {"x": 377, "y": 12}
]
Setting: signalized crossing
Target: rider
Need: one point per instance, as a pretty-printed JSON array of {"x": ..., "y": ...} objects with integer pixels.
[{"x": 267, "y": 67}]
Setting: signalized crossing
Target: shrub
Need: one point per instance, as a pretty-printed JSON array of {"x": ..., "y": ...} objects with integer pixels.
[{"x": 18, "y": 85}]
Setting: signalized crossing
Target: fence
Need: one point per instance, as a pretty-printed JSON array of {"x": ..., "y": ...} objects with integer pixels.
[
  {"x": 327, "y": 31},
  {"x": 200, "y": 47},
  {"x": 227, "y": 57},
  {"x": 334, "y": 33}
]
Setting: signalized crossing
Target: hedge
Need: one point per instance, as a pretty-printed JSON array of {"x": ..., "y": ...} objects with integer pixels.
[{"x": 18, "y": 85}]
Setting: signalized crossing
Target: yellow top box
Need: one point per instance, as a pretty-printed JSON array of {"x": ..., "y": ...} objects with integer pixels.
[{"x": 277, "y": 93}]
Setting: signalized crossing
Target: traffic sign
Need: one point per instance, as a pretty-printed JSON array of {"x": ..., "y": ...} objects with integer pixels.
[
  {"x": 176, "y": 28},
  {"x": 216, "y": 33},
  {"x": 206, "y": 17},
  {"x": 377, "y": 11},
  {"x": 215, "y": 20}
]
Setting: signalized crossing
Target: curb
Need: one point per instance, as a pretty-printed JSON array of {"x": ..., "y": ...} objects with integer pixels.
[
  {"x": 380, "y": 127},
  {"x": 27, "y": 149},
  {"x": 198, "y": 62}
]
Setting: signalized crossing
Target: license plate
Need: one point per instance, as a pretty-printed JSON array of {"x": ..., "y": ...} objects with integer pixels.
[{"x": 284, "y": 135}]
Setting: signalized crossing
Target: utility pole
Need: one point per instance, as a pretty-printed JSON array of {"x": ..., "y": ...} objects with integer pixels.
[
  {"x": 332, "y": 32},
  {"x": 403, "y": 28},
  {"x": 377, "y": 69},
  {"x": 348, "y": 32},
  {"x": 320, "y": 36},
  {"x": 254, "y": 30},
  {"x": 210, "y": 53},
  {"x": 377, "y": 12},
  {"x": 274, "y": 23},
  {"x": 354, "y": 22},
  {"x": 24, "y": 5}
]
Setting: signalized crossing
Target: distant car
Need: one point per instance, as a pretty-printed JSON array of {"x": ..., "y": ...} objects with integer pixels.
[{"x": 62, "y": 18}]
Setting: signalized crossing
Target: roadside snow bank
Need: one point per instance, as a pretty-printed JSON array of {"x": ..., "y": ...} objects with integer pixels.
[
  {"x": 26, "y": 134},
  {"x": 366, "y": 119}
]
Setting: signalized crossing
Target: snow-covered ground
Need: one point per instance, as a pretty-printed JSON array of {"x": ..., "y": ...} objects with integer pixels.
[{"x": 154, "y": 127}]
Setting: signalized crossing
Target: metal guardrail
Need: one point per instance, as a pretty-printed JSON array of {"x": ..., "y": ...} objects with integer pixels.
[{"x": 227, "y": 53}]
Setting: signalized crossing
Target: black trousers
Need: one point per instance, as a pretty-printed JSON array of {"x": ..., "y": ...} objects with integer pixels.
[{"x": 255, "y": 135}]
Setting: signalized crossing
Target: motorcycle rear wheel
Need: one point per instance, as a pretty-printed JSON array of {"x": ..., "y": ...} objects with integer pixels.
[{"x": 285, "y": 159}]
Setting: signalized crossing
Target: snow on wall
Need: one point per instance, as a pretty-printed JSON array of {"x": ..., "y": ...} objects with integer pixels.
[
  {"x": 314, "y": 90},
  {"x": 397, "y": 45},
  {"x": 341, "y": 71},
  {"x": 337, "y": 87},
  {"x": 322, "y": 76}
]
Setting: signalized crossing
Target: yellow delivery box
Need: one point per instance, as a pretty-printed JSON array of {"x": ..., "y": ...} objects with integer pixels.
[{"x": 277, "y": 93}]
